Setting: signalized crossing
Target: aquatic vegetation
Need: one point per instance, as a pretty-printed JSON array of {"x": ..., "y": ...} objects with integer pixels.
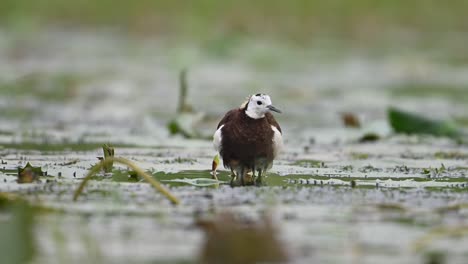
[
  {"x": 309, "y": 163},
  {"x": 29, "y": 173},
  {"x": 108, "y": 153},
  {"x": 434, "y": 172},
  {"x": 95, "y": 169},
  {"x": 369, "y": 137},
  {"x": 199, "y": 182},
  {"x": 187, "y": 118},
  {"x": 404, "y": 122},
  {"x": 333, "y": 192}
]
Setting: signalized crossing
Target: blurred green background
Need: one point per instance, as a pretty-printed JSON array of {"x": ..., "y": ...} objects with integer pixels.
[
  {"x": 80, "y": 73},
  {"x": 316, "y": 49},
  {"x": 295, "y": 19}
]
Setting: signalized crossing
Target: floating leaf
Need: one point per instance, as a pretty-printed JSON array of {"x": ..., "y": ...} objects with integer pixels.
[
  {"x": 29, "y": 173},
  {"x": 409, "y": 123},
  {"x": 133, "y": 175},
  {"x": 199, "y": 182},
  {"x": 369, "y": 137}
]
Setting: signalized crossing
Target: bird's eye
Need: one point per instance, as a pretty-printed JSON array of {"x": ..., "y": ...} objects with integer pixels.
[{"x": 259, "y": 102}]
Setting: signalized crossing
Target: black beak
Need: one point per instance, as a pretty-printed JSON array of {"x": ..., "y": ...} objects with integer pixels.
[{"x": 274, "y": 109}]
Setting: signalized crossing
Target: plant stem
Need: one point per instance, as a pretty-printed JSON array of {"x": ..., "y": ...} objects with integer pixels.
[{"x": 96, "y": 168}]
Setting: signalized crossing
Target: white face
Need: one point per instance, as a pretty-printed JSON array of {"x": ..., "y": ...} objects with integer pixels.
[{"x": 259, "y": 105}]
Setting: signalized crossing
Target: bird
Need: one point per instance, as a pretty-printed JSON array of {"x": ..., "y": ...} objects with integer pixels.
[{"x": 248, "y": 139}]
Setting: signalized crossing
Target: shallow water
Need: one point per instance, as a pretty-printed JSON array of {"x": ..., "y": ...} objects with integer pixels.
[{"x": 124, "y": 92}]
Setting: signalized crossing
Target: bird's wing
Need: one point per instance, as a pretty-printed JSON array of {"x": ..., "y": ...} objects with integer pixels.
[
  {"x": 228, "y": 116},
  {"x": 272, "y": 121},
  {"x": 277, "y": 134},
  {"x": 218, "y": 134}
]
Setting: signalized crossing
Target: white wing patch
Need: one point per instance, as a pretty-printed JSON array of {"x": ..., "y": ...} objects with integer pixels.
[
  {"x": 217, "y": 139},
  {"x": 277, "y": 141}
]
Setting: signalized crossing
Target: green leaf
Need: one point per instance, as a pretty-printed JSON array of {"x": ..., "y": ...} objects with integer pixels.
[
  {"x": 409, "y": 123},
  {"x": 199, "y": 182}
]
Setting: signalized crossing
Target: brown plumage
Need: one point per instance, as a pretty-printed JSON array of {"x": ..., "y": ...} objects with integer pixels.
[{"x": 248, "y": 144}]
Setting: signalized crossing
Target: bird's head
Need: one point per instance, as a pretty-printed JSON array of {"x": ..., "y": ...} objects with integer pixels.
[{"x": 259, "y": 105}]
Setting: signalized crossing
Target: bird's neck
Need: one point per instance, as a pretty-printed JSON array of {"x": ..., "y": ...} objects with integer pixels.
[{"x": 254, "y": 114}]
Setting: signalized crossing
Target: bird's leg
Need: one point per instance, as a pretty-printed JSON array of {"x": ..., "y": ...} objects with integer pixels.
[
  {"x": 258, "y": 180},
  {"x": 251, "y": 180},
  {"x": 233, "y": 176},
  {"x": 241, "y": 176}
]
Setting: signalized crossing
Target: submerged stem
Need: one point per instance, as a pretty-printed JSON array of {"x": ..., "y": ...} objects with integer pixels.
[{"x": 96, "y": 168}]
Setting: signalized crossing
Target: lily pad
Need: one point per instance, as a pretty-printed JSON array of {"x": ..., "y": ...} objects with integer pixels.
[
  {"x": 409, "y": 123},
  {"x": 199, "y": 182}
]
